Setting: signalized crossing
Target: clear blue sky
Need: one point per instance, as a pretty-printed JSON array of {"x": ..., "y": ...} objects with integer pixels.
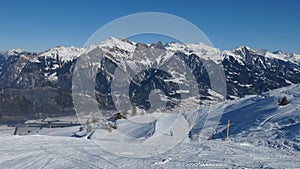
[{"x": 37, "y": 25}]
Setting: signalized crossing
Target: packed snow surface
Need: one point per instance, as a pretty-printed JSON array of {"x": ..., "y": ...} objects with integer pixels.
[
  {"x": 262, "y": 135},
  {"x": 22, "y": 152}
]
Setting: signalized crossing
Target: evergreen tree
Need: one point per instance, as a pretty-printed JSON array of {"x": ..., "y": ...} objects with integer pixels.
[{"x": 283, "y": 101}]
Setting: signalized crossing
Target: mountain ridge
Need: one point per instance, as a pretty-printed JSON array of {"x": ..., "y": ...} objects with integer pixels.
[
  {"x": 247, "y": 71},
  {"x": 111, "y": 42}
]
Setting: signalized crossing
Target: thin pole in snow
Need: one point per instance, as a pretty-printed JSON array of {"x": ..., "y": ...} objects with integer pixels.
[
  {"x": 210, "y": 136},
  {"x": 228, "y": 127}
]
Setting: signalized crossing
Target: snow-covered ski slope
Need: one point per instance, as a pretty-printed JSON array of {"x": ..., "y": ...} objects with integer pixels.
[
  {"x": 262, "y": 135},
  {"x": 259, "y": 120},
  {"x": 140, "y": 141},
  {"x": 23, "y": 152}
]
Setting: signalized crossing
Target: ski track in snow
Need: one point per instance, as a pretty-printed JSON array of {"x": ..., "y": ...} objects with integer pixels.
[{"x": 63, "y": 152}]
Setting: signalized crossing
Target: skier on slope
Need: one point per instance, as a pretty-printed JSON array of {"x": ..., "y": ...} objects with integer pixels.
[{"x": 171, "y": 133}]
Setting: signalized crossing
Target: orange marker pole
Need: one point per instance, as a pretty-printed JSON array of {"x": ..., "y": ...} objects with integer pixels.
[
  {"x": 210, "y": 136},
  {"x": 228, "y": 127}
]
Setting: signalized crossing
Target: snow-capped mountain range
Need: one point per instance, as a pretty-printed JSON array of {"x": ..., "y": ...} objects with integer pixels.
[{"x": 39, "y": 84}]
